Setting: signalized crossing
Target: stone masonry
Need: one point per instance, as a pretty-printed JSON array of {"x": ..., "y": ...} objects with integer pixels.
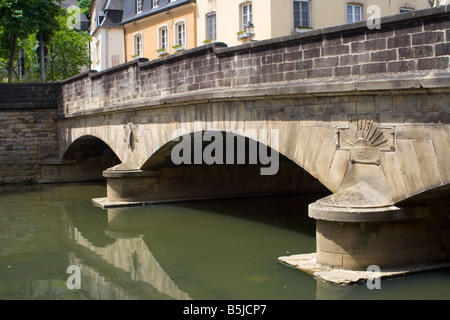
[{"x": 27, "y": 130}]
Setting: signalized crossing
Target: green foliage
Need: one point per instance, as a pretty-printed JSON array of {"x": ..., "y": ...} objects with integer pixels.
[
  {"x": 84, "y": 6},
  {"x": 67, "y": 54},
  {"x": 20, "y": 22}
]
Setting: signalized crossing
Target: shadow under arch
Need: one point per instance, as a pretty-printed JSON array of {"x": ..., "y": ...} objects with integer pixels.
[
  {"x": 89, "y": 156},
  {"x": 217, "y": 164},
  {"x": 430, "y": 197}
]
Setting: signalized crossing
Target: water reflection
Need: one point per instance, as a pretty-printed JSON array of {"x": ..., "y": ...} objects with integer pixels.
[{"x": 200, "y": 250}]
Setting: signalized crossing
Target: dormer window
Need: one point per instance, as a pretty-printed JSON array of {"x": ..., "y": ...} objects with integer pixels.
[
  {"x": 99, "y": 20},
  {"x": 139, "y": 6}
]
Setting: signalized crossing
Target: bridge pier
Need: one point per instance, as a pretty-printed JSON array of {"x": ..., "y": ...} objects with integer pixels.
[{"x": 353, "y": 237}]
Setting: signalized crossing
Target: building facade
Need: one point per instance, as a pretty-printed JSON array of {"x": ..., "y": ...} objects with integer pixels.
[
  {"x": 226, "y": 20},
  {"x": 107, "y": 44},
  {"x": 126, "y": 29},
  {"x": 153, "y": 28}
]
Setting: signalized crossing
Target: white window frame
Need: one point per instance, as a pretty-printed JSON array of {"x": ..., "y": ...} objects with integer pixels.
[
  {"x": 211, "y": 29},
  {"x": 155, "y": 3},
  {"x": 177, "y": 39},
  {"x": 98, "y": 51},
  {"x": 138, "y": 51},
  {"x": 300, "y": 18},
  {"x": 161, "y": 43},
  {"x": 139, "y": 5},
  {"x": 246, "y": 17},
  {"x": 353, "y": 15}
]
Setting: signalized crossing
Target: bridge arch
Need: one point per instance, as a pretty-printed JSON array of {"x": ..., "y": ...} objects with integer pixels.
[
  {"x": 211, "y": 164},
  {"x": 89, "y": 146},
  {"x": 87, "y": 157}
]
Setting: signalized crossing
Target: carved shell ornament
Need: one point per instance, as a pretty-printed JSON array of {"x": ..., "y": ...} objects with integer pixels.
[
  {"x": 364, "y": 133},
  {"x": 365, "y": 139}
]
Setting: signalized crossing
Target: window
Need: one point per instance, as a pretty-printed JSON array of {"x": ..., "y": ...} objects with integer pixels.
[
  {"x": 302, "y": 14},
  {"x": 155, "y": 3},
  {"x": 180, "y": 34},
  {"x": 100, "y": 20},
  {"x": 211, "y": 27},
  {"x": 246, "y": 14},
  {"x": 138, "y": 45},
  {"x": 163, "y": 38},
  {"x": 97, "y": 52},
  {"x": 139, "y": 6},
  {"x": 353, "y": 13},
  {"x": 403, "y": 10}
]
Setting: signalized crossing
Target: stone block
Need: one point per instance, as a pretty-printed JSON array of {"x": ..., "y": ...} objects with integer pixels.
[
  {"x": 385, "y": 55},
  {"x": 441, "y": 142},
  {"x": 399, "y": 41},
  {"x": 354, "y": 36},
  {"x": 312, "y": 53},
  {"x": 337, "y": 170},
  {"x": 409, "y": 166},
  {"x": 405, "y": 103},
  {"x": 442, "y": 49},
  {"x": 394, "y": 178},
  {"x": 369, "y": 45},
  {"x": 433, "y": 63},
  {"x": 335, "y": 50},
  {"x": 365, "y": 107},
  {"x": 342, "y": 71},
  {"x": 427, "y": 37},
  {"x": 415, "y": 52},
  {"x": 354, "y": 59},
  {"x": 324, "y": 161},
  {"x": 408, "y": 27},
  {"x": 402, "y": 66},
  {"x": 302, "y": 147},
  {"x": 372, "y": 68},
  {"x": 413, "y": 132},
  {"x": 319, "y": 73}
]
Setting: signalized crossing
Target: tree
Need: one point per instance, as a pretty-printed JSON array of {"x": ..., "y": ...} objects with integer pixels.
[
  {"x": 84, "y": 6},
  {"x": 20, "y": 18},
  {"x": 67, "y": 53}
]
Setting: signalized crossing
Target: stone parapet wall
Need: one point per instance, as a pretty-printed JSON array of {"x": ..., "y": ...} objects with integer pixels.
[
  {"x": 408, "y": 44},
  {"x": 27, "y": 130}
]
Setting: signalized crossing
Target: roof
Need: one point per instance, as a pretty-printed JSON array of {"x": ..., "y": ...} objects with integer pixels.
[
  {"x": 129, "y": 12},
  {"x": 113, "y": 5}
]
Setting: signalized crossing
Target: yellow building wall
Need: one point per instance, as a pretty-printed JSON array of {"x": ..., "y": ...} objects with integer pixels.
[
  {"x": 148, "y": 27},
  {"x": 274, "y": 18}
]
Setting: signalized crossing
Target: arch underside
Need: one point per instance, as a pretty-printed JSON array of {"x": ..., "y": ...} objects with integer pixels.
[
  {"x": 202, "y": 166},
  {"x": 84, "y": 160}
]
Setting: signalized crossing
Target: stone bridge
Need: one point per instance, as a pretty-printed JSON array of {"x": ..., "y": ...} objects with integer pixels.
[{"x": 360, "y": 113}]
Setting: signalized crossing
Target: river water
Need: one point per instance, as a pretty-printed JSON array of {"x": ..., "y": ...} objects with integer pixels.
[{"x": 205, "y": 250}]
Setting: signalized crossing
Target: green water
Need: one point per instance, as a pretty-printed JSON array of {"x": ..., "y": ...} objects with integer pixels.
[{"x": 207, "y": 250}]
